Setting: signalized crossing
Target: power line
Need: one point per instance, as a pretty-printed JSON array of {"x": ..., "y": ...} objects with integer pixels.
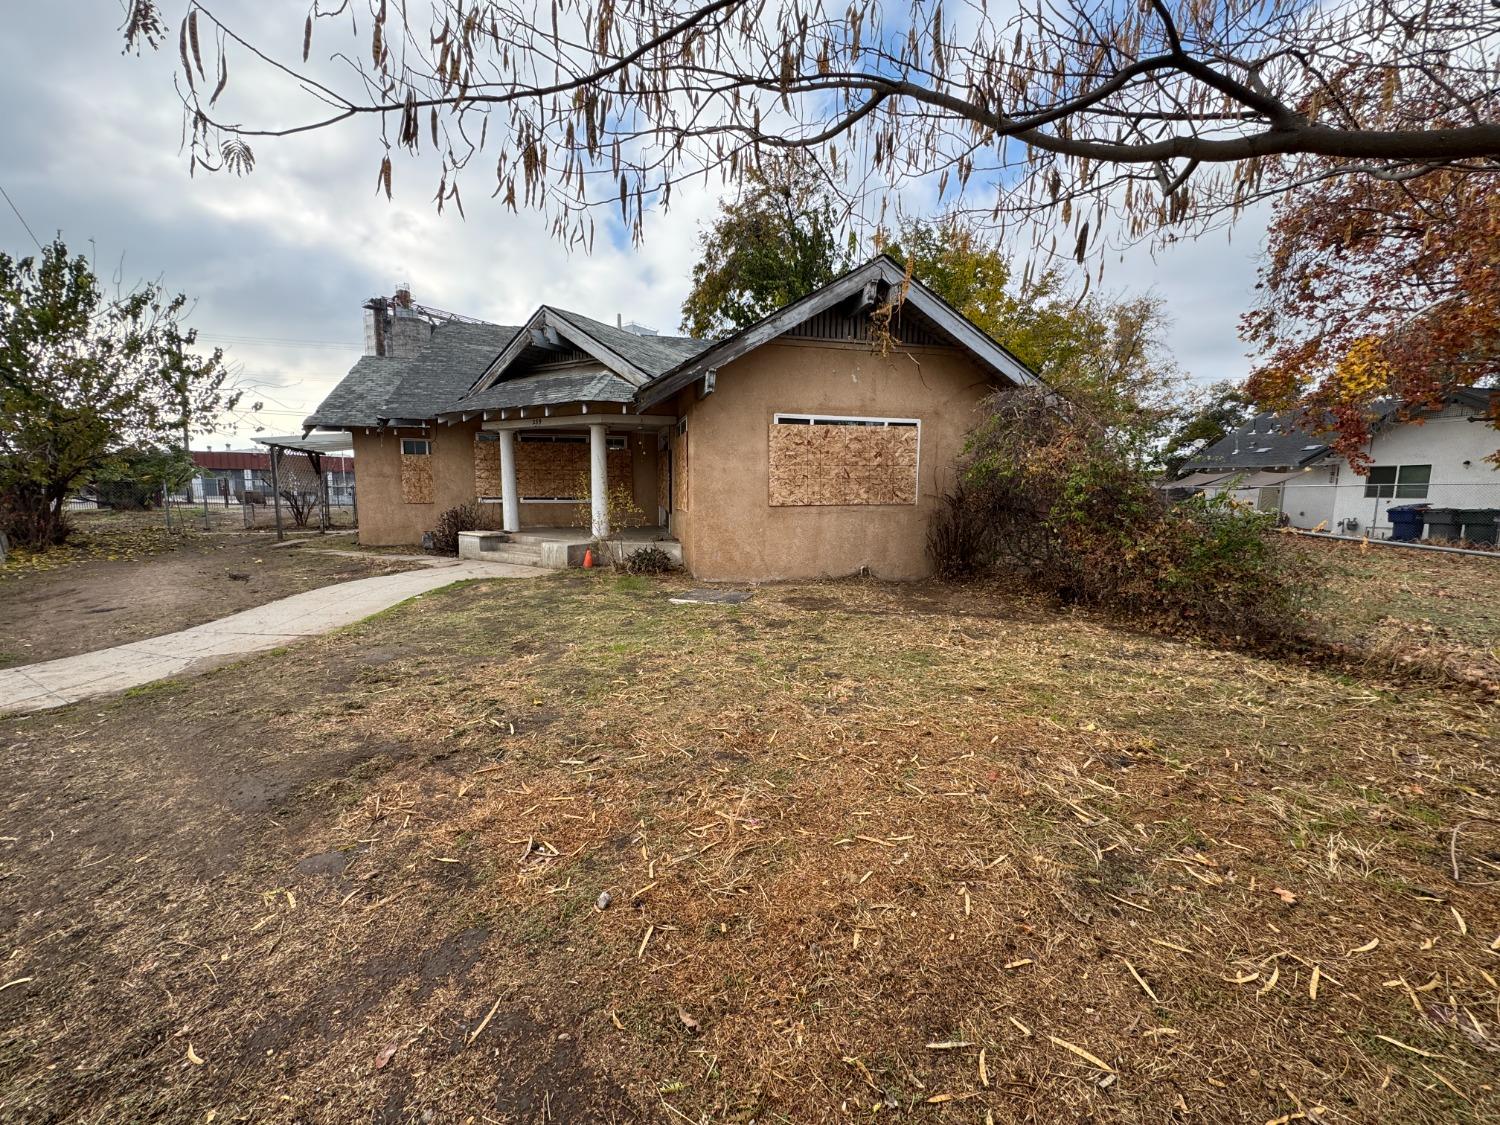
[
  {"x": 277, "y": 341},
  {"x": 22, "y": 217}
]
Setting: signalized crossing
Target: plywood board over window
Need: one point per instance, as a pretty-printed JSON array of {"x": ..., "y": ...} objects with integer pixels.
[
  {"x": 486, "y": 465},
  {"x": 416, "y": 478},
  {"x": 820, "y": 461},
  {"x": 554, "y": 468},
  {"x": 680, "y": 468}
]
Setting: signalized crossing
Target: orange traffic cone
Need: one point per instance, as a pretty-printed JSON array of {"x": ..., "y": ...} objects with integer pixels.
[{"x": 588, "y": 559}]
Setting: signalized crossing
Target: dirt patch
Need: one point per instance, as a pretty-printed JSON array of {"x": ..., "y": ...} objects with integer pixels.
[
  {"x": 95, "y": 603},
  {"x": 871, "y": 842}
]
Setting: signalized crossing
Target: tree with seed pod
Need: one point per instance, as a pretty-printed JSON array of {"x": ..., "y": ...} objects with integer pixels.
[{"x": 1098, "y": 119}]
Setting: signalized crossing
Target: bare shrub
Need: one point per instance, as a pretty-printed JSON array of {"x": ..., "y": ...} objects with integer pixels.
[
  {"x": 1050, "y": 494},
  {"x": 444, "y": 536},
  {"x": 648, "y": 560}
]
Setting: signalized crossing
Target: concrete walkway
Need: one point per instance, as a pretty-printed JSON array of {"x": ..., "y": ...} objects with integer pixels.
[{"x": 36, "y": 687}]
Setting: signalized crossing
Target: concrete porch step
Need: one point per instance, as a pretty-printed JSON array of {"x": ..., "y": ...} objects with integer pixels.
[
  {"x": 496, "y": 546},
  {"x": 554, "y": 548},
  {"x": 520, "y": 554}
]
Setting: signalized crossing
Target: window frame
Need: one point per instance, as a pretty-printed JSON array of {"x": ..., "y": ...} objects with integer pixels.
[
  {"x": 426, "y": 444},
  {"x": 1396, "y": 482}
]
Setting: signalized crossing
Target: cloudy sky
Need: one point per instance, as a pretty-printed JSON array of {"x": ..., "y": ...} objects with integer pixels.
[{"x": 280, "y": 261}]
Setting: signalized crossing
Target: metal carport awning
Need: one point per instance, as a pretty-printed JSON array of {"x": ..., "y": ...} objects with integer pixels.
[
  {"x": 1266, "y": 478},
  {"x": 315, "y": 446},
  {"x": 1196, "y": 480}
]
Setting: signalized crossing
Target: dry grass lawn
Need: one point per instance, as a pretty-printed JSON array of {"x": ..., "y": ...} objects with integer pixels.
[
  {"x": 870, "y": 853},
  {"x": 1406, "y": 603},
  {"x": 123, "y": 577}
]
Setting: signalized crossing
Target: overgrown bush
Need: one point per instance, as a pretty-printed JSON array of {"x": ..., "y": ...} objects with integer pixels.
[
  {"x": 1048, "y": 493},
  {"x": 648, "y": 560},
  {"x": 444, "y": 537}
]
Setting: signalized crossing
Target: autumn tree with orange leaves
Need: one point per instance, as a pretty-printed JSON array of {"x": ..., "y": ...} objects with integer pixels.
[{"x": 1378, "y": 289}]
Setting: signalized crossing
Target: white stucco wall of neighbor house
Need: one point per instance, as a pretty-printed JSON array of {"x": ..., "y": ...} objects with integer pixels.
[{"x": 1330, "y": 495}]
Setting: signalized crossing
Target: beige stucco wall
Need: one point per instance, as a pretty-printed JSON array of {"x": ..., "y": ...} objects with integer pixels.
[
  {"x": 386, "y": 519},
  {"x": 731, "y": 532}
]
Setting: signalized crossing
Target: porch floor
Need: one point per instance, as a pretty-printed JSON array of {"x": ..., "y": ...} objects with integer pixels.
[
  {"x": 559, "y": 547},
  {"x": 577, "y": 535}
]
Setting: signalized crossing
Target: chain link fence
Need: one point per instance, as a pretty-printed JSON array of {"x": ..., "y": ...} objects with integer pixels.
[{"x": 1456, "y": 511}]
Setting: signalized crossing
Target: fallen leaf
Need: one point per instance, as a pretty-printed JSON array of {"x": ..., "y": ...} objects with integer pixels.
[
  {"x": 687, "y": 1021},
  {"x": 1082, "y": 1054},
  {"x": 387, "y": 1053},
  {"x": 1284, "y": 895}
]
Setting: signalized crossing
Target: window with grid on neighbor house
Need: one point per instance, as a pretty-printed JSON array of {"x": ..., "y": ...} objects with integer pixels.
[{"x": 1404, "y": 482}]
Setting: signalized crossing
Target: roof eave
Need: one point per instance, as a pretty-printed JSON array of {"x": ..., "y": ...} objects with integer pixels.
[{"x": 881, "y": 268}]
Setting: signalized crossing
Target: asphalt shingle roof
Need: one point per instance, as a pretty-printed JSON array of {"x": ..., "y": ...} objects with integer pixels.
[
  {"x": 446, "y": 368},
  {"x": 651, "y": 354},
  {"x": 1267, "y": 441},
  {"x": 378, "y": 388},
  {"x": 360, "y": 397},
  {"x": 548, "y": 388}
]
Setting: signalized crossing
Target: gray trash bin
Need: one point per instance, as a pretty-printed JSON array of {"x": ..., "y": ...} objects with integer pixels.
[{"x": 1477, "y": 525}]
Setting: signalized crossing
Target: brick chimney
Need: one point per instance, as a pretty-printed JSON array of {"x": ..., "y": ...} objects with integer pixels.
[{"x": 394, "y": 326}]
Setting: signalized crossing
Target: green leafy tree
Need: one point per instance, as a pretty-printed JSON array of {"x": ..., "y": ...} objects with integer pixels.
[
  {"x": 86, "y": 381},
  {"x": 136, "y": 478},
  {"x": 777, "y": 242},
  {"x": 1209, "y": 415},
  {"x": 1106, "y": 354}
]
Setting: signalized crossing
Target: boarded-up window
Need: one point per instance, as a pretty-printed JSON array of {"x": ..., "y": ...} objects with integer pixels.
[
  {"x": 663, "y": 474},
  {"x": 554, "y": 468},
  {"x": 820, "y": 460},
  {"x": 680, "y": 468},
  {"x": 416, "y": 478},
  {"x": 486, "y": 466}
]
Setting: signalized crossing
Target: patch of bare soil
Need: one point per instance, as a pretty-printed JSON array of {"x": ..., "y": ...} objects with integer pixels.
[
  {"x": 95, "y": 603},
  {"x": 559, "y": 851}
]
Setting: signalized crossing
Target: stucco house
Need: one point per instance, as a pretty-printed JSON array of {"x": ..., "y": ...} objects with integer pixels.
[
  {"x": 811, "y": 443},
  {"x": 1435, "y": 457}
]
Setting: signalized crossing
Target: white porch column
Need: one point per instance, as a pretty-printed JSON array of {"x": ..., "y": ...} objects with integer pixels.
[
  {"x": 510, "y": 503},
  {"x": 599, "y": 479}
]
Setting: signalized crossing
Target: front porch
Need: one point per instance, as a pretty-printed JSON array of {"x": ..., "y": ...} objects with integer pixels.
[
  {"x": 558, "y": 548},
  {"x": 602, "y": 453}
]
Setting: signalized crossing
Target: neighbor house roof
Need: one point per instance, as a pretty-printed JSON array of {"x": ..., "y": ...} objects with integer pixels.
[
  {"x": 1275, "y": 441},
  {"x": 1267, "y": 441}
]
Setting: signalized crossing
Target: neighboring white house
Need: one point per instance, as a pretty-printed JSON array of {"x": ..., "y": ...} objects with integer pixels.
[{"x": 1437, "y": 458}]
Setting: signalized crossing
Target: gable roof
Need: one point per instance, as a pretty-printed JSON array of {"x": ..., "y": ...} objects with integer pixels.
[
  {"x": 443, "y": 370},
  {"x": 862, "y": 283},
  {"x": 468, "y": 367},
  {"x": 636, "y": 359},
  {"x": 651, "y": 355}
]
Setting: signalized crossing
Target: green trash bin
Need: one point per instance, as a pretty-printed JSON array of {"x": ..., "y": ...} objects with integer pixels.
[{"x": 1477, "y": 525}]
